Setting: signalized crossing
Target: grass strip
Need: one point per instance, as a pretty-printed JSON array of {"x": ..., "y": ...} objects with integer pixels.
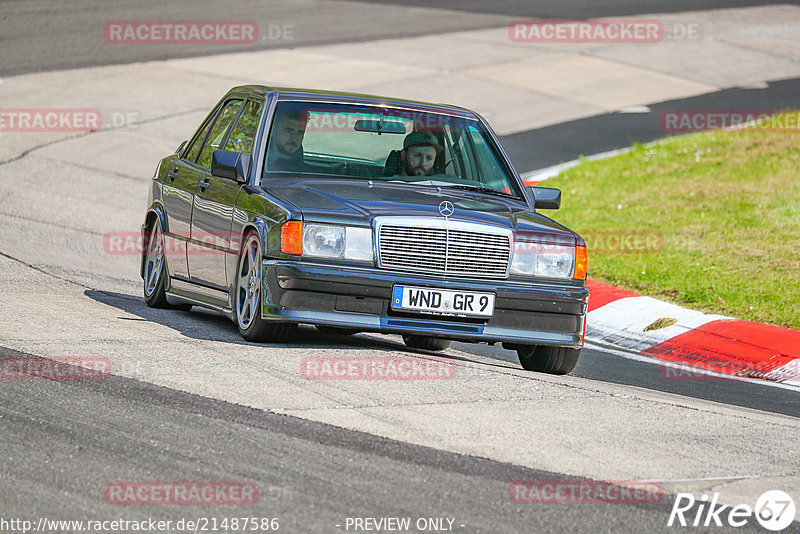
[{"x": 709, "y": 221}]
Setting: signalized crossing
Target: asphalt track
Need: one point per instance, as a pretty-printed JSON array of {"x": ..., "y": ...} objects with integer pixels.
[
  {"x": 543, "y": 147},
  {"x": 578, "y": 9},
  {"x": 51, "y": 35},
  {"x": 62, "y": 442},
  {"x": 596, "y": 363},
  {"x": 311, "y": 476}
]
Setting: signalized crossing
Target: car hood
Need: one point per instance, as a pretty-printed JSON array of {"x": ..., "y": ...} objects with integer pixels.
[{"x": 357, "y": 202}]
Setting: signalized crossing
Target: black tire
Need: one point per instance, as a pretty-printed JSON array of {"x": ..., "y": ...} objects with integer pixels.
[
  {"x": 156, "y": 275},
  {"x": 426, "y": 342},
  {"x": 247, "y": 298},
  {"x": 155, "y": 268},
  {"x": 552, "y": 360},
  {"x": 335, "y": 330}
]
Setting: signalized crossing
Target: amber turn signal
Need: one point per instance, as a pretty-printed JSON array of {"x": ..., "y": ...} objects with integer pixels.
[
  {"x": 292, "y": 237},
  {"x": 581, "y": 263}
]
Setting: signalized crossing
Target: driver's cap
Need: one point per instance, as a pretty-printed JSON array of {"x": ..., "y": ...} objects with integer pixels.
[{"x": 422, "y": 138}]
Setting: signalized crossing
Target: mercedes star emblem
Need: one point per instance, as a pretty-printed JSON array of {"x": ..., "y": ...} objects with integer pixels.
[{"x": 446, "y": 208}]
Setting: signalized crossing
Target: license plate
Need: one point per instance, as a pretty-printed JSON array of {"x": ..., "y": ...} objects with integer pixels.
[{"x": 443, "y": 301}]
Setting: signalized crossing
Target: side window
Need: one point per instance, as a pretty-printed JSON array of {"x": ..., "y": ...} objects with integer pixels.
[
  {"x": 491, "y": 171},
  {"x": 218, "y": 131},
  {"x": 244, "y": 131},
  {"x": 194, "y": 150}
]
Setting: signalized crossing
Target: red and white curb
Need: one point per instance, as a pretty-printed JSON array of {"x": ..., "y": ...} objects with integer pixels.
[{"x": 671, "y": 333}]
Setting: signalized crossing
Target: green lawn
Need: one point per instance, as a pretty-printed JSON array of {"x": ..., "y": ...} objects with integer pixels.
[{"x": 724, "y": 205}]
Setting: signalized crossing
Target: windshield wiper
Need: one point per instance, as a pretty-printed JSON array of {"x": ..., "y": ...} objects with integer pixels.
[
  {"x": 487, "y": 190},
  {"x": 435, "y": 183}
]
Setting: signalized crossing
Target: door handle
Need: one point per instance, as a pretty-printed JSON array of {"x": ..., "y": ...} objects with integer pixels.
[
  {"x": 204, "y": 185},
  {"x": 173, "y": 174}
]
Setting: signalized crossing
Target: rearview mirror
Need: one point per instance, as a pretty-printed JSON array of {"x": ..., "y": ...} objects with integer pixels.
[
  {"x": 230, "y": 165},
  {"x": 392, "y": 127},
  {"x": 546, "y": 198}
]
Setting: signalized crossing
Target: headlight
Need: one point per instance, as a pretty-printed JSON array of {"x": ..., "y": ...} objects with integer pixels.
[
  {"x": 323, "y": 240},
  {"x": 333, "y": 241},
  {"x": 358, "y": 244},
  {"x": 539, "y": 259}
]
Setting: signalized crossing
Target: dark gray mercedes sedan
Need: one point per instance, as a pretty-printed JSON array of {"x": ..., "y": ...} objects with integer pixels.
[{"x": 355, "y": 213}]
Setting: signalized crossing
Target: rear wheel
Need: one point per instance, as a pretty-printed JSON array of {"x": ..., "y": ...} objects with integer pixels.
[
  {"x": 248, "y": 298},
  {"x": 426, "y": 342},
  {"x": 553, "y": 360}
]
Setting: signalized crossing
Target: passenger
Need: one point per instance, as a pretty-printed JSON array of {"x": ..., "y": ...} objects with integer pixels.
[
  {"x": 286, "y": 142},
  {"x": 419, "y": 154}
]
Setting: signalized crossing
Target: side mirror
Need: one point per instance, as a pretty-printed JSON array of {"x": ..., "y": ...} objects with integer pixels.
[
  {"x": 546, "y": 198},
  {"x": 181, "y": 147},
  {"x": 230, "y": 165}
]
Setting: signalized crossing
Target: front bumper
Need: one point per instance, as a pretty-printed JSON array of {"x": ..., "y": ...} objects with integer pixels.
[{"x": 359, "y": 298}]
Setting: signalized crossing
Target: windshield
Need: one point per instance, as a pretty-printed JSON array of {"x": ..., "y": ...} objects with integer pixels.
[{"x": 379, "y": 143}]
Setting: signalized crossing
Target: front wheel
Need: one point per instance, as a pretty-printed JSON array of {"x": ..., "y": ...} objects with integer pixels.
[
  {"x": 552, "y": 360},
  {"x": 426, "y": 342},
  {"x": 248, "y": 298},
  {"x": 155, "y": 272}
]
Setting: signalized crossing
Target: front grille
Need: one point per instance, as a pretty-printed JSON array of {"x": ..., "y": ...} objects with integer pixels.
[{"x": 444, "y": 250}]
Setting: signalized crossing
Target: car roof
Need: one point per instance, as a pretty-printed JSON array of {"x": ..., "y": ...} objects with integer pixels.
[{"x": 315, "y": 95}]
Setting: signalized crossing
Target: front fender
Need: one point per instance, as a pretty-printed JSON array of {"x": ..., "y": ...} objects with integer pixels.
[{"x": 262, "y": 227}]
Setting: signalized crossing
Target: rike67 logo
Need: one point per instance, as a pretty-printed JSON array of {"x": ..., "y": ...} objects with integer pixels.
[{"x": 774, "y": 510}]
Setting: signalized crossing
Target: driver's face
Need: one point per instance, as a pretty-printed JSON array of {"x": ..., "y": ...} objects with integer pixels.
[
  {"x": 419, "y": 160},
  {"x": 289, "y": 136}
]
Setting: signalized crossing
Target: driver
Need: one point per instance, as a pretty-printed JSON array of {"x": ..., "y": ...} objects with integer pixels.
[
  {"x": 419, "y": 154},
  {"x": 286, "y": 143}
]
